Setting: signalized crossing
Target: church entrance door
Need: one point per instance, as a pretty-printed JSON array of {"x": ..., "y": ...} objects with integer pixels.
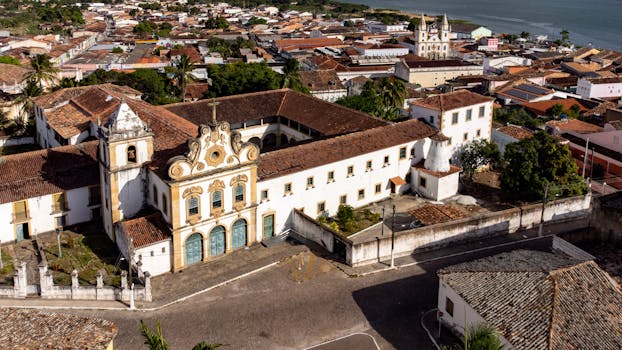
[
  {"x": 194, "y": 249},
  {"x": 268, "y": 226},
  {"x": 217, "y": 241},
  {"x": 239, "y": 234}
]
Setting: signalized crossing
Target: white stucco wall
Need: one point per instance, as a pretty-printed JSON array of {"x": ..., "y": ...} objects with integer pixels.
[{"x": 155, "y": 258}]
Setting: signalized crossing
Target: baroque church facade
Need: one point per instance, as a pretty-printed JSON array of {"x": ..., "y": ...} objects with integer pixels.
[
  {"x": 187, "y": 183},
  {"x": 430, "y": 41}
]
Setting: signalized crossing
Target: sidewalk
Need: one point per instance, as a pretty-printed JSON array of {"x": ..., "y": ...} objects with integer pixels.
[{"x": 438, "y": 335}]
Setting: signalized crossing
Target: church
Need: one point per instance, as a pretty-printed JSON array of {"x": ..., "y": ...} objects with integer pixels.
[
  {"x": 430, "y": 41},
  {"x": 186, "y": 183}
]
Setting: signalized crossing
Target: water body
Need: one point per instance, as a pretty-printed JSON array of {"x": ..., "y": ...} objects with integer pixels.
[{"x": 595, "y": 22}]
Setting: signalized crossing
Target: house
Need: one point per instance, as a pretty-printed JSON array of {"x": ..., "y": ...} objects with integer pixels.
[
  {"x": 469, "y": 31},
  {"x": 600, "y": 87},
  {"x": 432, "y": 73},
  {"x": 462, "y": 116},
  {"x": 524, "y": 93},
  {"x": 535, "y": 299},
  {"x": 31, "y": 329},
  {"x": 323, "y": 84},
  {"x": 505, "y": 135},
  {"x": 176, "y": 186}
]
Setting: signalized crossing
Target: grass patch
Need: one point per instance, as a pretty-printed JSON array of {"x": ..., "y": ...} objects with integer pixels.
[
  {"x": 86, "y": 253},
  {"x": 6, "y": 273},
  {"x": 4, "y": 151},
  {"x": 349, "y": 221}
]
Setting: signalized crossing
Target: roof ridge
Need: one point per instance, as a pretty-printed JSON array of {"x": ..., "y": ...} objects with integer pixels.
[{"x": 22, "y": 154}]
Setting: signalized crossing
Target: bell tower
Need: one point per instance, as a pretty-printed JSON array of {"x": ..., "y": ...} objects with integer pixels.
[{"x": 126, "y": 146}]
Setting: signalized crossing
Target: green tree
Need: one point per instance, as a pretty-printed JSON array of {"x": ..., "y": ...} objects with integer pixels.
[
  {"x": 482, "y": 337},
  {"x": 117, "y": 49},
  {"x": 345, "y": 213},
  {"x": 413, "y": 24},
  {"x": 42, "y": 70},
  {"x": 382, "y": 98},
  {"x": 524, "y": 35},
  {"x": 565, "y": 34},
  {"x": 183, "y": 66},
  {"x": 144, "y": 29},
  {"x": 216, "y": 23},
  {"x": 256, "y": 20},
  {"x": 556, "y": 110},
  {"x": 155, "y": 339},
  {"x": 9, "y": 60},
  {"x": 66, "y": 82},
  {"x": 291, "y": 78},
  {"x": 477, "y": 154},
  {"x": 516, "y": 116},
  {"x": 240, "y": 77},
  {"x": 532, "y": 163}
]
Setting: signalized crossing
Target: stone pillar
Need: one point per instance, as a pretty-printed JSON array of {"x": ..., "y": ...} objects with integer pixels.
[
  {"x": 20, "y": 282},
  {"x": 75, "y": 284},
  {"x": 125, "y": 292},
  {"x": 43, "y": 280},
  {"x": 148, "y": 296},
  {"x": 124, "y": 279},
  {"x": 139, "y": 270},
  {"x": 100, "y": 286}
]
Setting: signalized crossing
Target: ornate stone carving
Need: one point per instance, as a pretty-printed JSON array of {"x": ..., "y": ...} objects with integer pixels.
[
  {"x": 215, "y": 147},
  {"x": 216, "y": 185},
  {"x": 238, "y": 179},
  {"x": 192, "y": 190}
]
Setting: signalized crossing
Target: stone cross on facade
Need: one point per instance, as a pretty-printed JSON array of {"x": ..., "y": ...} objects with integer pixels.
[{"x": 213, "y": 104}]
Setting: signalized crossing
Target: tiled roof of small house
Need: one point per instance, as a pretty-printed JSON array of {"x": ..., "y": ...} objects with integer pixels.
[
  {"x": 12, "y": 74},
  {"x": 540, "y": 300},
  {"x": 320, "y": 80},
  {"x": 313, "y": 154},
  {"x": 576, "y": 125},
  {"x": 146, "y": 230},
  {"x": 47, "y": 171},
  {"x": 431, "y": 214},
  {"x": 327, "y": 118},
  {"x": 452, "y": 100},
  {"x": 515, "y": 131},
  {"x": 54, "y": 98},
  {"x": 31, "y": 329}
]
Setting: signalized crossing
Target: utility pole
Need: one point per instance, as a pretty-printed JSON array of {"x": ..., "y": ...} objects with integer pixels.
[
  {"x": 541, "y": 228},
  {"x": 58, "y": 232},
  {"x": 587, "y": 144},
  {"x": 393, "y": 238},
  {"x": 382, "y": 226}
]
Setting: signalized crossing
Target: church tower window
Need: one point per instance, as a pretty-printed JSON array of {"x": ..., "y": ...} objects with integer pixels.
[
  {"x": 239, "y": 193},
  {"x": 193, "y": 205},
  {"x": 131, "y": 154},
  {"x": 217, "y": 200}
]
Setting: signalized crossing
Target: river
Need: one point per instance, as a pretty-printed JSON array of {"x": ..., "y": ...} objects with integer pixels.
[{"x": 595, "y": 22}]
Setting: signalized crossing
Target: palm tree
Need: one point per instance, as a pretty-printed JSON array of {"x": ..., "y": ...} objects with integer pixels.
[
  {"x": 482, "y": 336},
  {"x": 155, "y": 340},
  {"x": 67, "y": 82},
  {"x": 42, "y": 70},
  {"x": 183, "y": 66},
  {"x": 291, "y": 78}
]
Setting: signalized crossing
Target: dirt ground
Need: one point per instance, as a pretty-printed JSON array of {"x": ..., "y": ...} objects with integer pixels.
[{"x": 486, "y": 188}]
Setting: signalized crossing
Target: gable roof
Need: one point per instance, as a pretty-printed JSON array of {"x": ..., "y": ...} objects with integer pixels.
[
  {"x": 452, "y": 100},
  {"x": 12, "y": 74},
  {"x": 540, "y": 300},
  {"x": 47, "y": 171},
  {"x": 320, "y": 80},
  {"x": 540, "y": 107},
  {"x": 313, "y": 154},
  {"x": 146, "y": 230}
]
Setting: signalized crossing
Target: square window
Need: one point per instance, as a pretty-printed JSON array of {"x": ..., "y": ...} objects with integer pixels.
[
  {"x": 343, "y": 199},
  {"x": 479, "y": 132},
  {"x": 454, "y": 118},
  {"x": 361, "y": 194},
  {"x": 368, "y": 166},
  {"x": 193, "y": 206},
  {"x": 412, "y": 152},
  {"x": 465, "y": 136},
  {"x": 59, "y": 221},
  {"x": 331, "y": 176},
  {"x": 58, "y": 202},
  {"x": 310, "y": 182},
  {"x": 403, "y": 153},
  {"x": 422, "y": 182},
  {"x": 20, "y": 211},
  {"x": 264, "y": 195},
  {"x": 351, "y": 170},
  {"x": 449, "y": 141},
  {"x": 386, "y": 160},
  {"x": 449, "y": 307},
  {"x": 239, "y": 193},
  {"x": 482, "y": 111},
  {"x": 378, "y": 188},
  {"x": 287, "y": 188},
  {"x": 95, "y": 195},
  {"x": 96, "y": 213},
  {"x": 163, "y": 249},
  {"x": 217, "y": 199},
  {"x": 321, "y": 206},
  {"x": 469, "y": 114}
]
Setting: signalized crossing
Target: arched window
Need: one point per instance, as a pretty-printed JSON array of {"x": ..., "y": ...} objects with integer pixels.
[
  {"x": 131, "y": 154},
  {"x": 217, "y": 200},
  {"x": 239, "y": 193},
  {"x": 217, "y": 241},
  {"x": 193, "y": 205}
]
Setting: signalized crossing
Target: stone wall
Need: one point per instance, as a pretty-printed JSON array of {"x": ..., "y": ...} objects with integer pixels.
[{"x": 606, "y": 219}]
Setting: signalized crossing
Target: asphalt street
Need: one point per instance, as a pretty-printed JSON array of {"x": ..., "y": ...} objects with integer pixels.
[{"x": 301, "y": 303}]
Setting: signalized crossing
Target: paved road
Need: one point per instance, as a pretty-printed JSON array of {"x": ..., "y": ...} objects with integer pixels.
[
  {"x": 358, "y": 341},
  {"x": 301, "y": 303}
]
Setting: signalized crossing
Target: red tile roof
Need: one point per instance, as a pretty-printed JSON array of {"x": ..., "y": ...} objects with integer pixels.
[
  {"x": 516, "y": 132},
  {"x": 321, "y": 80},
  {"x": 47, "y": 171},
  {"x": 452, "y": 170},
  {"x": 575, "y": 125},
  {"x": 540, "y": 107},
  {"x": 146, "y": 230},
  {"x": 452, "y": 100}
]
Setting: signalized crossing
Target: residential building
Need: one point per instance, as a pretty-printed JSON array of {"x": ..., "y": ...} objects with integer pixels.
[
  {"x": 432, "y": 73},
  {"x": 600, "y": 87},
  {"x": 535, "y": 299},
  {"x": 323, "y": 84}
]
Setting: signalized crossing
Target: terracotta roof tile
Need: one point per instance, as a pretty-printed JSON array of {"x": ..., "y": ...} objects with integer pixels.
[
  {"x": 540, "y": 107},
  {"x": 452, "y": 170},
  {"x": 12, "y": 74},
  {"x": 319, "y": 80},
  {"x": 452, "y": 100},
  {"x": 516, "y": 132},
  {"x": 575, "y": 125},
  {"x": 47, "y": 171},
  {"x": 147, "y": 230},
  {"x": 313, "y": 154},
  {"x": 431, "y": 214}
]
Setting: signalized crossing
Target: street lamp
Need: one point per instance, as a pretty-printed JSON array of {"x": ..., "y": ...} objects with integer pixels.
[
  {"x": 58, "y": 232},
  {"x": 382, "y": 226},
  {"x": 393, "y": 238}
]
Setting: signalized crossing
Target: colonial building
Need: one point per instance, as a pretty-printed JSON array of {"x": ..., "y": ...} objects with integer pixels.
[
  {"x": 190, "y": 182},
  {"x": 430, "y": 41}
]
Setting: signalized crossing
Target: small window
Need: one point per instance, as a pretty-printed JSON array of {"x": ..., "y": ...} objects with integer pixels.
[
  {"x": 469, "y": 114},
  {"x": 343, "y": 199},
  {"x": 217, "y": 200},
  {"x": 58, "y": 202},
  {"x": 412, "y": 152},
  {"x": 378, "y": 188},
  {"x": 131, "y": 154},
  {"x": 287, "y": 189},
  {"x": 386, "y": 160},
  {"x": 431, "y": 119},
  {"x": 422, "y": 182},
  {"x": 331, "y": 176},
  {"x": 465, "y": 136},
  {"x": 403, "y": 153},
  {"x": 152, "y": 254},
  {"x": 321, "y": 207},
  {"x": 239, "y": 193},
  {"x": 454, "y": 118},
  {"x": 449, "y": 307},
  {"x": 264, "y": 195},
  {"x": 361, "y": 194},
  {"x": 164, "y": 204},
  {"x": 155, "y": 195},
  {"x": 368, "y": 166},
  {"x": 479, "y": 132},
  {"x": 310, "y": 182},
  {"x": 482, "y": 111},
  {"x": 163, "y": 249},
  {"x": 351, "y": 170},
  {"x": 193, "y": 205},
  {"x": 449, "y": 141},
  {"x": 95, "y": 195},
  {"x": 59, "y": 221}
]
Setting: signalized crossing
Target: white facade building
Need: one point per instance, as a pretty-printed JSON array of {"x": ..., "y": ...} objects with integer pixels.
[
  {"x": 599, "y": 87},
  {"x": 430, "y": 41}
]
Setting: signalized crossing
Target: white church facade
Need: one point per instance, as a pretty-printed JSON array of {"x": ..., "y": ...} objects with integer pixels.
[
  {"x": 432, "y": 42},
  {"x": 187, "y": 183}
]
